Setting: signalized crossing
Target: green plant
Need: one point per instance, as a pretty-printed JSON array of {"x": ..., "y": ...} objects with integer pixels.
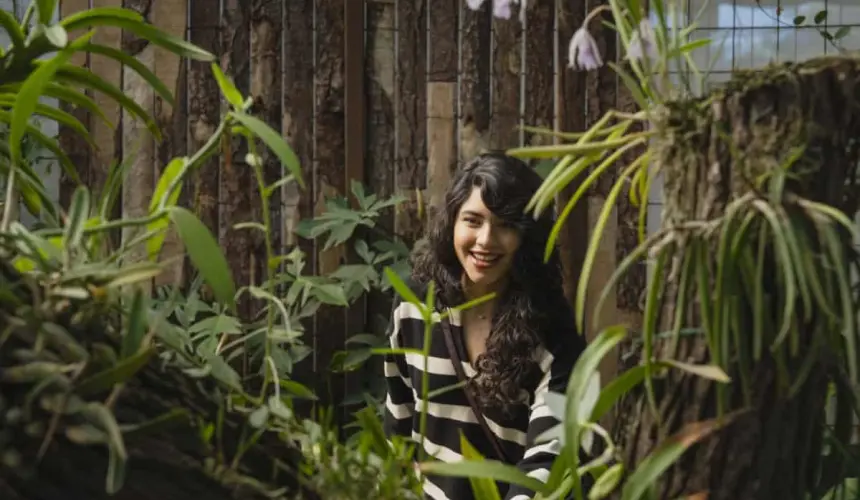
[{"x": 78, "y": 332}]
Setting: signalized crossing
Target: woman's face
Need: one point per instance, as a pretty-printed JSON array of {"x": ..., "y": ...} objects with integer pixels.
[{"x": 485, "y": 246}]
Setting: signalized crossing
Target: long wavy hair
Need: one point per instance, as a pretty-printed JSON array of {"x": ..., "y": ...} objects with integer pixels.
[{"x": 532, "y": 307}]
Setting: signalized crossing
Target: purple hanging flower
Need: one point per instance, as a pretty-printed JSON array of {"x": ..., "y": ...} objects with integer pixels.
[
  {"x": 501, "y": 8},
  {"x": 643, "y": 43},
  {"x": 583, "y": 52}
]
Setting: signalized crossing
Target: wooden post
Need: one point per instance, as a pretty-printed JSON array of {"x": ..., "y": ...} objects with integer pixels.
[
  {"x": 201, "y": 193},
  {"x": 441, "y": 101},
  {"x": 411, "y": 176},
  {"x": 297, "y": 125},
  {"x": 170, "y": 16},
  {"x": 354, "y": 147}
]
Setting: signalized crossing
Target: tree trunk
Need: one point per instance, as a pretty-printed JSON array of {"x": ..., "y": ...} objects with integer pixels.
[{"x": 711, "y": 151}]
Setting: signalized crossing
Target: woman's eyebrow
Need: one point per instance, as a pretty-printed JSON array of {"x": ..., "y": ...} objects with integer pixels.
[{"x": 472, "y": 213}]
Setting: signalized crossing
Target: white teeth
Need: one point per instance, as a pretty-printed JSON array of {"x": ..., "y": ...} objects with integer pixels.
[{"x": 485, "y": 258}]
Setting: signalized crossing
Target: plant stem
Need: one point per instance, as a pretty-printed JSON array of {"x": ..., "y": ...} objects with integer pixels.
[
  {"x": 270, "y": 256},
  {"x": 9, "y": 201},
  {"x": 425, "y": 383}
]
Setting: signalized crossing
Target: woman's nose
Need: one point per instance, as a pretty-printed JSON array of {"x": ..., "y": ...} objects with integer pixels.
[{"x": 485, "y": 235}]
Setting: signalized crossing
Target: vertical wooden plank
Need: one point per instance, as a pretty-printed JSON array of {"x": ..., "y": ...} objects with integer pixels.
[
  {"x": 441, "y": 101},
  {"x": 507, "y": 57},
  {"x": 236, "y": 177},
  {"x": 354, "y": 150},
  {"x": 171, "y": 17},
  {"x": 379, "y": 158},
  {"x": 570, "y": 117},
  {"x": 136, "y": 144},
  {"x": 411, "y": 114},
  {"x": 474, "y": 80},
  {"x": 78, "y": 151},
  {"x": 379, "y": 68},
  {"x": 266, "y": 26},
  {"x": 108, "y": 139},
  {"x": 203, "y": 114},
  {"x": 330, "y": 130},
  {"x": 298, "y": 118},
  {"x": 539, "y": 71}
]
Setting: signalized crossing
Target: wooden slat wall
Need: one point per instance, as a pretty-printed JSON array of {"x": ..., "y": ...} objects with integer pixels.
[
  {"x": 135, "y": 147},
  {"x": 422, "y": 110},
  {"x": 329, "y": 171},
  {"x": 237, "y": 180},
  {"x": 265, "y": 69},
  {"x": 77, "y": 150},
  {"x": 441, "y": 100},
  {"x": 379, "y": 62},
  {"x": 170, "y": 16},
  {"x": 107, "y": 139},
  {"x": 204, "y": 102},
  {"x": 298, "y": 116},
  {"x": 505, "y": 90}
]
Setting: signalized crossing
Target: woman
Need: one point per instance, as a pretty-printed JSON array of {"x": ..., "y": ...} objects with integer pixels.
[{"x": 512, "y": 349}]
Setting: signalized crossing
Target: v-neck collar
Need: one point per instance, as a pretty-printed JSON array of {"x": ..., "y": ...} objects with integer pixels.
[{"x": 455, "y": 320}]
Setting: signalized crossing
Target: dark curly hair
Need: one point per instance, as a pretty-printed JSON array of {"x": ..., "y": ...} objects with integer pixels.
[{"x": 532, "y": 306}]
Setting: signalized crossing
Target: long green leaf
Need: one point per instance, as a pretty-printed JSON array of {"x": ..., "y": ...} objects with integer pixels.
[
  {"x": 488, "y": 469},
  {"x": 402, "y": 289},
  {"x": 31, "y": 91},
  {"x": 234, "y": 97},
  {"x": 46, "y": 10},
  {"x": 61, "y": 117},
  {"x": 615, "y": 390},
  {"x": 118, "y": 18},
  {"x": 649, "y": 327},
  {"x": 559, "y": 150},
  {"x": 591, "y": 252},
  {"x": 275, "y": 142},
  {"x": 13, "y": 29},
  {"x": 79, "y": 99},
  {"x": 836, "y": 248},
  {"x": 483, "y": 487},
  {"x": 206, "y": 255},
  {"x": 577, "y": 387},
  {"x": 135, "y": 64},
  {"x": 159, "y": 202},
  {"x": 51, "y": 145},
  {"x": 75, "y": 75},
  {"x": 668, "y": 452},
  {"x": 785, "y": 261},
  {"x": 78, "y": 214},
  {"x": 136, "y": 327},
  {"x": 116, "y": 374},
  {"x": 90, "y": 17},
  {"x": 583, "y": 188}
]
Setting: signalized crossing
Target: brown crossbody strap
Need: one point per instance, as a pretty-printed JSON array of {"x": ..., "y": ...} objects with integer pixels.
[{"x": 461, "y": 374}]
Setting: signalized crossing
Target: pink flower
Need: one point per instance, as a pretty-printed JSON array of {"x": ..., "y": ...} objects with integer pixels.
[
  {"x": 583, "y": 52},
  {"x": 501, "y": 8},
  {"x": 643, "y": 43}
]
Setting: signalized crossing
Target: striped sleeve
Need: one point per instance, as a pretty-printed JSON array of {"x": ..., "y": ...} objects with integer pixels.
[
  {"x": 538, "y": 457},
  {"x": 399, "y": 400}
]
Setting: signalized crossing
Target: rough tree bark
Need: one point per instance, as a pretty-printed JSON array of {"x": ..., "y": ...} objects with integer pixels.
[{"x": 770, "y": 451}]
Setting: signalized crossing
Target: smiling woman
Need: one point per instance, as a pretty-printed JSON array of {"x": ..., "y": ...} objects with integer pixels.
[{"x": 505, "y": 353}]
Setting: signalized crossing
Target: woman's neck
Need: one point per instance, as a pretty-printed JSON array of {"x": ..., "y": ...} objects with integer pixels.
[{"x": 474, "y": 291}]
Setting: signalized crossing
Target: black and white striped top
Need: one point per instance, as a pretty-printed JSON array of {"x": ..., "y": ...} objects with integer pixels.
[{"x": 449, "y": 413}]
